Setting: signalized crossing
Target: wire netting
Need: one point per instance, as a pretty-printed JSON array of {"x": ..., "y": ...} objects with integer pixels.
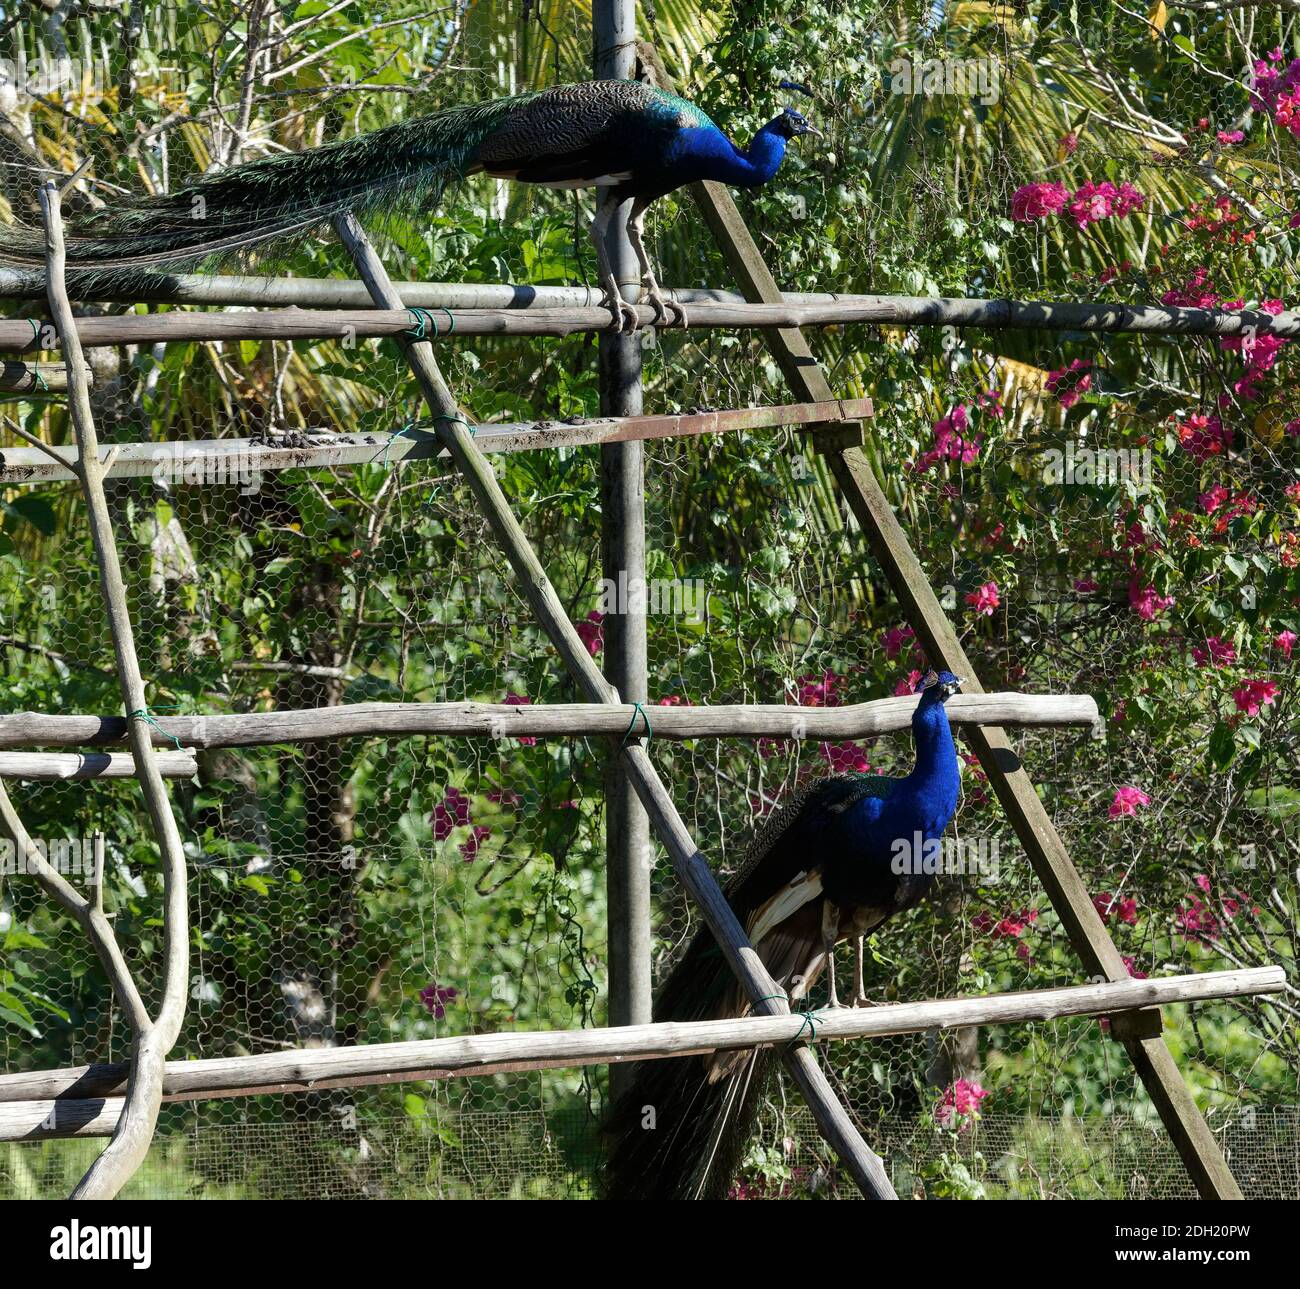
[{"x": 1111, "y": 515}]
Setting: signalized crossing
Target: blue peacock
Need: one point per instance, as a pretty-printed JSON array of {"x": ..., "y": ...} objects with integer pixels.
[
  {"x": 640, "y": 141},
  {"x": 836, "y": 863}
]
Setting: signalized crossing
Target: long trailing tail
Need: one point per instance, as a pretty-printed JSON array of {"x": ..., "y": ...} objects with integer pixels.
[
  {"x": 675, "y": 1132},
  {"x": 399, "y": 168}
]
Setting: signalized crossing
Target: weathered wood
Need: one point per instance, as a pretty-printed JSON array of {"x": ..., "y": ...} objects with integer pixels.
[
  {"x": 1007, "y": 777},
  {"x": 50, "y": 1120},
  {"x": 240, "y": 462},
  {"x": 91, "y": 765},
  {"x": 886, "y": 310},
  {"x": 832, "y": 1119},
  {"x": 353, "y": 324},
  {"x": 628, "y": 852},
  {"x": 152, "y": 1041},
  {"x": 541, "y": 720},
  {"x": 310, "y": 1069},
  {"x": 26, "y": 379}
]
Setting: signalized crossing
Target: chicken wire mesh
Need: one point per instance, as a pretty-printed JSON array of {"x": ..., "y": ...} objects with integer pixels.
[{"x": 1101, "y": 514}]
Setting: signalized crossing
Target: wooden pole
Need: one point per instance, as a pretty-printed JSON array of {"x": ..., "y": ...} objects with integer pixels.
[
  {"x": 242, "y": 462},
  {"x": 1007, "y": 776},
  {"x": 692, "y": 869},
  {"x": 628, "y": 854},
  {"x": 547, "y": 720},
  {"x": 18, "y": 336},
  {"x": 311, "y": 1069},
  {"x": 151, "y": 1041},
  {"x": 92, "y": 765}
]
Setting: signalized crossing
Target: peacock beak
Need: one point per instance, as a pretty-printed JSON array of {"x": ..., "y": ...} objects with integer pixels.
[{"x": 809, "y": 128}]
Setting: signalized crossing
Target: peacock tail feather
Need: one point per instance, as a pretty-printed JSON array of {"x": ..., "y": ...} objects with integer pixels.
[{"x": 398, "y": 169}]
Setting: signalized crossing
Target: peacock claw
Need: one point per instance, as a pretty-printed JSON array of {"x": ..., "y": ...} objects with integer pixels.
[
  {"x": 623, "y": 316},
  {"x": 664, "y": 308}
]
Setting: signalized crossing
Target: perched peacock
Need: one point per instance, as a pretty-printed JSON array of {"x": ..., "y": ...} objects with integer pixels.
[
  {"x": 837, "y": 862},
  {"x": 640, "y": 141}
]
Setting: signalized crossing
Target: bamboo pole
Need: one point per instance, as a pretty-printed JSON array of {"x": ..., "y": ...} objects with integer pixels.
[
  {"x": 154, "y": 1039},
  {"x": 91, "y": 765},
  {"x": 313, "y": 1069},
  {"x": 542, "y": 720},
  {"x": 241, "y": 462},
  {"x": 831, "y": 1117},
  {"x": 19, "y": 336}
]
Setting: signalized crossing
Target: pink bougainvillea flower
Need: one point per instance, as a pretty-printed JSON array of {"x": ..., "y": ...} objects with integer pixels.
[
  {"x": 1292, "y": 491},
  {"x": 1126, "y": 801},
  {"x": 814, "y": 691},
  {"x": 950, "y": 441},
  {"x": 845, "y": 758},
  {"x": 1218, "y": 652},
  {"x": 990, "y": 401},
  {"x": 1128, "y": 200},
  {"x": 908, "y": 684},
  {"x": 1254, "y": 695},
  {"x": 1068, "y": 144},
  {"x": 984, "y": 599},
  {"x": 959, "y": 1104},
  {"x": 591, "y": 632},
  {"x": 471, "y": 845},
  {"x": 435, "y": 997},
  {"x": 895, "y": 638},
  {"x": 1284, "y": 642},
  {"x": 1092, "y": 202},
  {"x": 1227, "y": 137},
  {"x": 451, "y": 812},
  {"x": 1068, "y": 383},
  {"x": 1131, "y": 967},
  {"x": 1204, "y": 436},
  {"x": 1037, "y": 201},
  {"x": 1144, "y": 601},
  {"x": 1085, "y": 585},
  {"x": 1213, "y": 498}
]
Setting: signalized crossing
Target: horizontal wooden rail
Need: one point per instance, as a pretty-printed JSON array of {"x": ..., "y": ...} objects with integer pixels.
[
  {"x": 91, "y": 765},
  {"x": 888, "y": 310},
  {"x": 239, "y": 461},
  {"x": 541, "y": 720},
  {"x": 26, "y": 379},
  {"x": 19, "y": 336},
  {"x": 32, "y": 1104}
]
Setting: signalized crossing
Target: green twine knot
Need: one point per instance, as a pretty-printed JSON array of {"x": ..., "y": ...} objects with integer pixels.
[
  {"x": 421, "y": 321},
  {"x": 143, "y": 714},
  {"x": 397, "y": 434},
  {"x": 810, "y": 1019},
  {"x": 637, "y": 709}
]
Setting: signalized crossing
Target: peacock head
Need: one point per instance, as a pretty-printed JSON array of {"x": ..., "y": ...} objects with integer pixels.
[
  {"x": 791, "y": 124},
  {"x": 937, "y": 686}
]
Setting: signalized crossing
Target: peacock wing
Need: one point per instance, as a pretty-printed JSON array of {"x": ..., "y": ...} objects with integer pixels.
[{"x": 576, "y": 134}]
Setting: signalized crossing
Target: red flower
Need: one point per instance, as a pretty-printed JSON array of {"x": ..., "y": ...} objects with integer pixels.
[
  {"x": 435, "y": 997},
  {"x": 959, "y": 1104},
  {"x": 1127, "y": 800},
  {"x": 984, "y": 599},
  {"x": 1037, "y": 201},
  {"x": 591, "y": 633},
  {"x": 1255, "y": 694}
]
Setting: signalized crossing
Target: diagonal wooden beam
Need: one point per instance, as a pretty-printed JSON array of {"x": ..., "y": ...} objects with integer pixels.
[
  {"x": 767, "y": 998},
  {"x": 1007, "y": 776}
]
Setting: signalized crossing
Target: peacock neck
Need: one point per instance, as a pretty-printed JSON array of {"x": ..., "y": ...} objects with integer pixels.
[
  {"x": 766, "y": 153},
  {"x": 936, "y": 753}
]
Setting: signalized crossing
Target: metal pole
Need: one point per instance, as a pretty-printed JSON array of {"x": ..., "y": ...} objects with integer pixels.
[{"x": 627, "y": 829}]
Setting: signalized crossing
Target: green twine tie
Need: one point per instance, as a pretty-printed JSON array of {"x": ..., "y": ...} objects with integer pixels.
[
  {"x": 810, "y": 1018},
  {"x": 422, "y": 320},
  {"x": 637, "y": 709},
  {"x": 143, "y": 714}
]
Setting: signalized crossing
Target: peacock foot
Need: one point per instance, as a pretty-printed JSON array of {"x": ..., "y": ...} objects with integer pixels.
[
  {"x": 623, "y": 316},
  {"x": 668, "y": 313},
  {"x": 863, "y": 1001}
]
